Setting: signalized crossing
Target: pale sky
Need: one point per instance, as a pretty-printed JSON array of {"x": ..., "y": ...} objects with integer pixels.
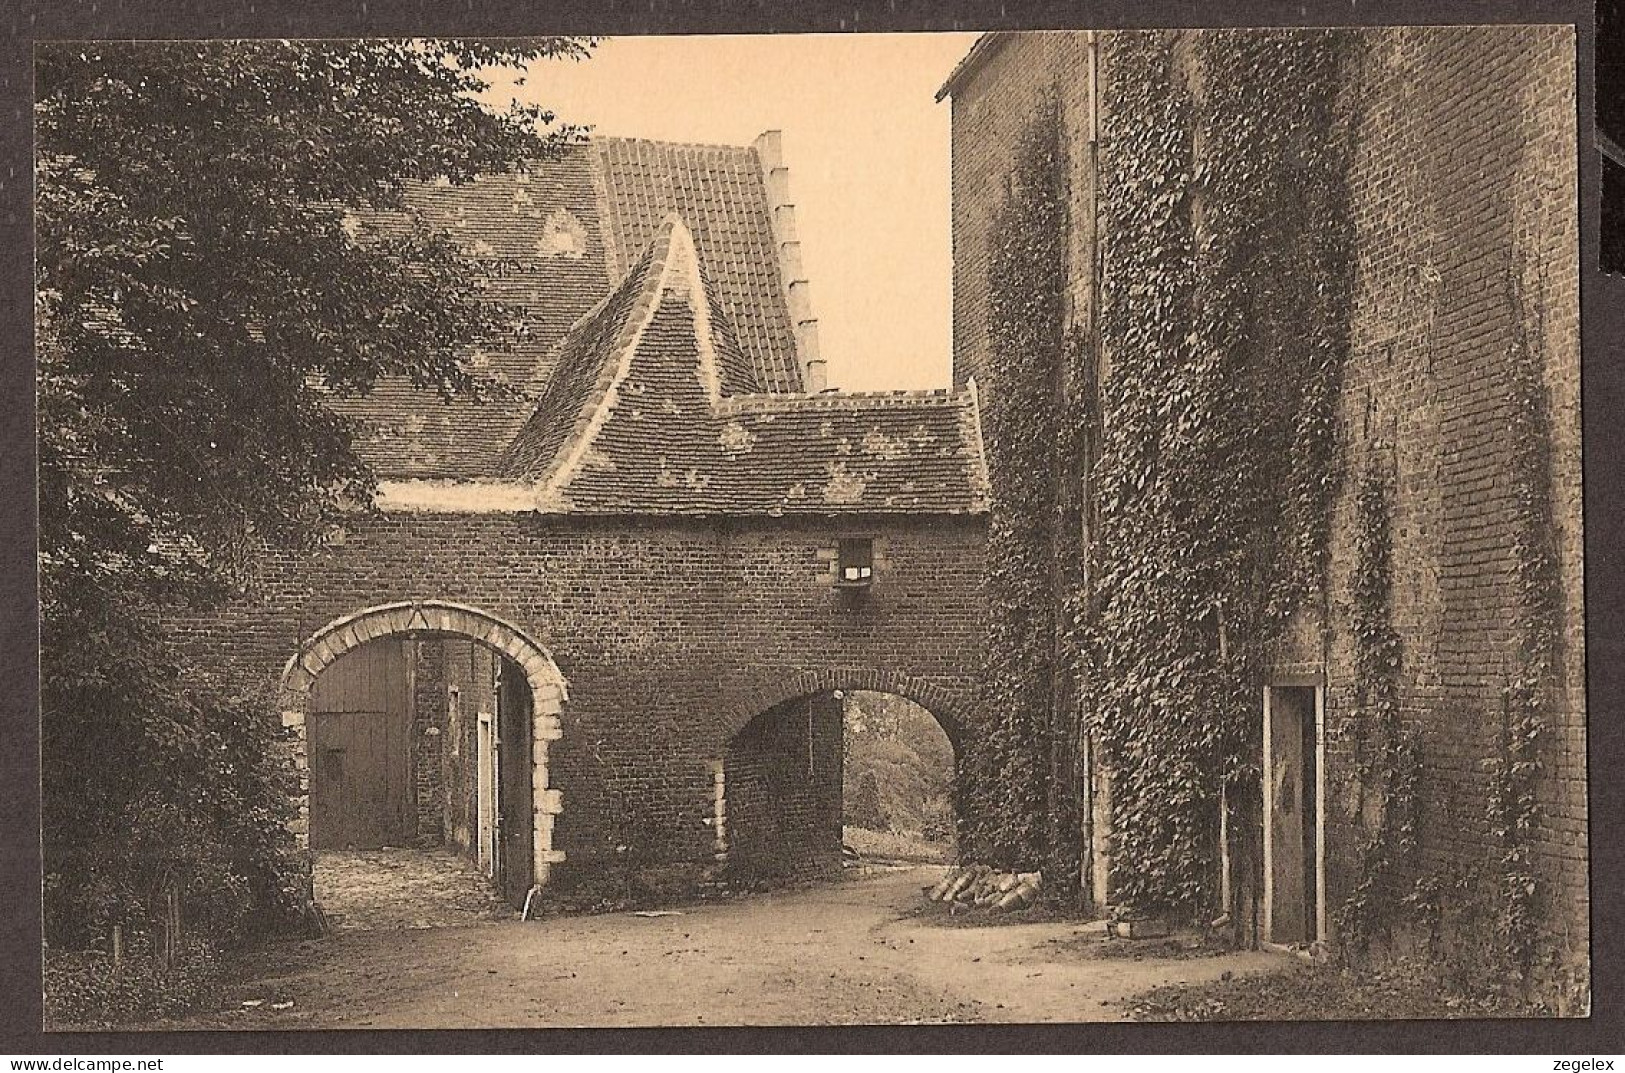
[{"x": 867, "y": 149}]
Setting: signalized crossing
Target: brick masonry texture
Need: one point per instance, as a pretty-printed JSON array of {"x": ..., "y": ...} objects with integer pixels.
[
  {"x": 1464, "y": 199},
  {"x": 784, "y": 778},
  {"x": 453, "y": 682},
  {"x": 989, "y": 109},
  {"x": 672, "y": 636},
  {"x": 662, "y": 383},
  {"x": 1464, "y": 193}
]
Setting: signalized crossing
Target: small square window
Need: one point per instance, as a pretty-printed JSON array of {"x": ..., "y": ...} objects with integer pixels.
[{"x": 855, "y": 565}]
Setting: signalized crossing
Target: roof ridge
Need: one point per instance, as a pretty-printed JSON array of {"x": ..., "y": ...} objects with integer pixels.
[
  {"x": 662, "y": 143},
  {"x": 846, "y": 400},
  {"x": 632, "y": 304},
  {"x": 672, "y": 266}
]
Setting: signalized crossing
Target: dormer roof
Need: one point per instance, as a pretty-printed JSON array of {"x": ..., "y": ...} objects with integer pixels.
[
  {"x": 556, "y": 238},
  {"x": 648, "y": 412}
]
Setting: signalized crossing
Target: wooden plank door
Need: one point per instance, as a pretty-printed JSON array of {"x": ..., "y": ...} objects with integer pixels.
[
  {"x": 1291, "y": 800},
  {"x": 360, "y": 719},
  {"x": 515, "y": 866}
]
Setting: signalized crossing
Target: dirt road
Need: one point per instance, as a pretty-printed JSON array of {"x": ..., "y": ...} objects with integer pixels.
[{"x": 850, "y": 952}]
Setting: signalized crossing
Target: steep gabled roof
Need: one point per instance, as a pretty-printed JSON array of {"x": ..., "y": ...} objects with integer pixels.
[
  {"x": 581, "y": 376},
  {"x": 556, "y": 238},
  {"x": 537, "y": 236},
  {"x": 720, "y": 193},
  {"x": 636, "y": 420}
]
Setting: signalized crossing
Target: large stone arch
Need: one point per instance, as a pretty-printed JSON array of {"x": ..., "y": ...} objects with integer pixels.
[
  {"x": 949, "y": 705},
  {"x": 548, "y": 689}
]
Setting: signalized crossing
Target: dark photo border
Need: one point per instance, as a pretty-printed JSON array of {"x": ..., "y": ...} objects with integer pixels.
[{"x": 1603, "y": 390}]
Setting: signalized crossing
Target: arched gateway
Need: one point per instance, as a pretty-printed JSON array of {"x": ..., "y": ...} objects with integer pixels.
[{"x": 436, "y": 618}]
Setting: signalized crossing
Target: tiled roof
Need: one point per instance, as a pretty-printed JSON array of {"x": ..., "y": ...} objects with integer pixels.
[
  {"x": 555, "y": 239},
  {"x": 537, "y": 236},
  {"x": 580, "y": 375},
  {"x": 651, "y": 430},
  {"x": 719, "y": 192}
]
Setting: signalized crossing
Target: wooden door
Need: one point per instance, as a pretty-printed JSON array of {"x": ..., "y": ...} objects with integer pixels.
[
  {"x": 1291, "y": 797},
  {"x": 360, "y": 726},
  {"x": 515, "y": 867}
]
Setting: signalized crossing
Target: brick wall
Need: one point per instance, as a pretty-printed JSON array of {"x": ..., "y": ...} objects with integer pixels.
[
  {"x": 989, "y": 112},
  {"x": 672, "y": 637},
  {"x": 783, "y": 783},
  {"x": 430, "y": 720},
  {"x": 1464, "y": 195},
  {"x": 1463, "y": 189},
  {"x": 467, "y": 677}
]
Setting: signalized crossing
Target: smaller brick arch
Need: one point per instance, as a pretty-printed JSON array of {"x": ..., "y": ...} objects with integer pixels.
[
  {"x": 768, "y": 819},
  {"x": 548, "y": 689},
  {"x": 945, "y": 703}
]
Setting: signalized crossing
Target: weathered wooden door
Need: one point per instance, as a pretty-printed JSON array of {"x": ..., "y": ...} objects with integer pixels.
[
  {"x": 514, "y": 767},
  {"x": 360, "y": 725},
  {"x": 1291, "y": 800}
]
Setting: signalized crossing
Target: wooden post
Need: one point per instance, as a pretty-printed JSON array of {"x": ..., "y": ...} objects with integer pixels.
[
  {"x": 1224, "y": 852},
  {"x": 1267, "y": 811}
]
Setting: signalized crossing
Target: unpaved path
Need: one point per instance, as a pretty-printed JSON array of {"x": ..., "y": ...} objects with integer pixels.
[
  {"x": 370, "y": 889},
  {"x": 849, "y": 952}
]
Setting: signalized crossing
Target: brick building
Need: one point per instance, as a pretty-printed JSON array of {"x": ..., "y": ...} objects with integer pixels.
[
  {"x": 595, "y": 630},
  {"x": 1463, "y": 191}
]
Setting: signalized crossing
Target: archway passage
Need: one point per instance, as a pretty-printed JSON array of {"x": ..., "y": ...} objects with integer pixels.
[
  {"x": 898, "y": 781},
  {"x": 420, "y": 778},
  {"x": 428, "y": 726},
  {"x": 814, "y": 781}
]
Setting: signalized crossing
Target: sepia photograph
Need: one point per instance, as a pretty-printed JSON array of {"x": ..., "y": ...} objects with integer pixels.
[{"x": 1012, "y": 527}]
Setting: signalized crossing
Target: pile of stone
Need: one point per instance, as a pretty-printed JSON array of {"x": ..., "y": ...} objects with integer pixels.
[{"x": 981, "y": 886}]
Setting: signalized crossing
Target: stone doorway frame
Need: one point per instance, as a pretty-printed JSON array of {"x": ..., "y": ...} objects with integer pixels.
[{"x": 427, "y": 618}]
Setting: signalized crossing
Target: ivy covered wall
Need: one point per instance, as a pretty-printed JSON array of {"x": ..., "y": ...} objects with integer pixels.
[
  {"x": 1224, "y": 324},
  {"x": 1323, "y": 427},
  {"x": 1462, "y": 397}
]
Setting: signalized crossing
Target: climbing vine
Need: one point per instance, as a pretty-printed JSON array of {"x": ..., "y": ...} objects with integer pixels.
[
  {"x": 1010, "y": 813},
  {"x": 1224, "y": 331},
  {"x": 1165, "y": 479},
  {"x": 1387, "y": 759},
  {"x": 1201, "y": 420},
  {"x": 1513, "y": 809}
]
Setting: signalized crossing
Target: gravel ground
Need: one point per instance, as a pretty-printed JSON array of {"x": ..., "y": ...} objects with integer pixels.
[
  {"x": 847, "y": 952},
  {"x": 364, "y": 890}
]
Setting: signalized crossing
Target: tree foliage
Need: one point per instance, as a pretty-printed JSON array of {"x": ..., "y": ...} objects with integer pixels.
[
  {"x": 198, "y": 279},
  {"x": 898, "y": 768},
  {"x": 202, "y": 290}
]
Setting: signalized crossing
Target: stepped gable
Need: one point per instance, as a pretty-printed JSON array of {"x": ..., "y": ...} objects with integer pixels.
[
  {"x": 640, "y": 388},
  {"x": 555, "y": 238}
]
